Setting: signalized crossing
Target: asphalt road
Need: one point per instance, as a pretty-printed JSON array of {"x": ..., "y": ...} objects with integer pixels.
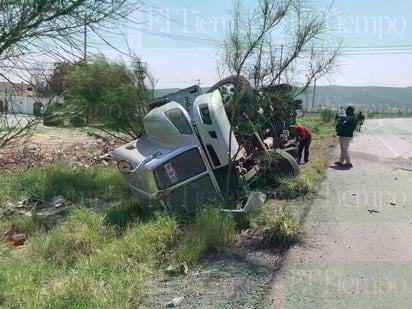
[{"x": 357, "y": 252}]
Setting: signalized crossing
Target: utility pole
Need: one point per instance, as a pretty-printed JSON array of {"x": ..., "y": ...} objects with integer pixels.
[
  {"x": 281, "y": 59},
  {"x": 198, "y": 84},
  {"x": 85, "y": 39},
  {"x": 314, "y": 94}
]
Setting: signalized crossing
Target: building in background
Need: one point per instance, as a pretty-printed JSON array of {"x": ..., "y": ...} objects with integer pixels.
[{"x": 21, "y": 98}]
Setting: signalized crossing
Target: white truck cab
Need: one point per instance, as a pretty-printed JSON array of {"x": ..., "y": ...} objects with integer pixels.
[{"x": 183, "y": 159}]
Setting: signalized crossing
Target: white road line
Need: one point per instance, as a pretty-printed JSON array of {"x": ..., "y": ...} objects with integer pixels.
[{"x": 389, "y": 147}]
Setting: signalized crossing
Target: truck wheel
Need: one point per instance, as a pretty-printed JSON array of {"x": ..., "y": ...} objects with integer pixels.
[
  {"x": 245, "y": 90},
  {"x": 293, "y": 151},
  {"x": 287, "y": 165},
  {"x": 276, "y": 164}
]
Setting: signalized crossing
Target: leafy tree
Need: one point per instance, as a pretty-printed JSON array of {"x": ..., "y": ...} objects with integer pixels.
[
  {"x": 31, "y": 31},
  {"x": 111, "y": 94},
  {"x": 42, "y": 25},
  {"x": 279, "y": 48},
  {"x": 270, "y": 54}
]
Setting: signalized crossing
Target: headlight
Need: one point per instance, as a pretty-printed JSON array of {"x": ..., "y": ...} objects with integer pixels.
[{"x": 124, "y": 166}]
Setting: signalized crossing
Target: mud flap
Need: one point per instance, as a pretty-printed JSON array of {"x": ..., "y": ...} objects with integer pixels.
[{"x": 254, "y": 203}]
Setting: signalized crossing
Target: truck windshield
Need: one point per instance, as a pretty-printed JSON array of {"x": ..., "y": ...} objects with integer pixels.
[{"x": 177, "y": 118}]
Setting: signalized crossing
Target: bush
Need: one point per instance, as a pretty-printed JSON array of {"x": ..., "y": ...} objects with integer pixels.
[
  {"x": 327, "y": 115},
  {"x": 80, "y": 236},
  {"x": 279, "y": 230},
  {"x": 212, "y": 230}
]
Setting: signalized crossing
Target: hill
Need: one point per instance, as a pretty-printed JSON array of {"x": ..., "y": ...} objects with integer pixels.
[{"x": 367, "y": 99}]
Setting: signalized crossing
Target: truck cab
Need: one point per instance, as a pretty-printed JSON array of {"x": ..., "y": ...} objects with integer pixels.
[{"x": 186, "y": 154}]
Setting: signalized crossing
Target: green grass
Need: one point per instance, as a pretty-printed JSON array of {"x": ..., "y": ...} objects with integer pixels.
[
  {"x": 305, "y": 183},
  {"x": 317, "y": 125},
  {"x": 376, "y": 115},
  {"x": 85, "y": 263},
  {"x": 211, "y": 230},
  {"x": 279, "y": 228},
  {"x": 73, "y": 183},
  {"x": 96, "y": 259},
  {"x": 104, "y": 259}
]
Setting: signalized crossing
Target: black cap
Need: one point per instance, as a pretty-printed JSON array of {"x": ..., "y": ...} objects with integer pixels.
[{"x": 350, "y": 110}]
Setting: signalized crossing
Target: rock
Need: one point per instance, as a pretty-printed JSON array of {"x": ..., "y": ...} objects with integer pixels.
[{"x": 175, "y": 302}]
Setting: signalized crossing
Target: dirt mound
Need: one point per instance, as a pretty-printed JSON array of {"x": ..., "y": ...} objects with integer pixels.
[{"x": 58, "y": 145}]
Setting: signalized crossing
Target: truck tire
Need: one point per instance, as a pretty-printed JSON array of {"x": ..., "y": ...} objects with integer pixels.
[
  {"x": 287, "y": 165},
  {"x": 275, "y": 165},
  {"x": 293, "y": 151},
  {"x": 245, "y": 90}
]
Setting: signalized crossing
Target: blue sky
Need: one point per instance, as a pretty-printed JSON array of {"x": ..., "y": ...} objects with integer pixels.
[{"x": 180, "y": 39}]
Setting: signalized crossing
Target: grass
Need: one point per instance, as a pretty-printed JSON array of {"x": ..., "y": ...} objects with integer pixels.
[
  {"x": 97, "y": 259},
  {"x": 84, "y": 263},
  {"x": 317, "y": 125},
  {"x": 305, "y": 183},
  {"x": 76, "y": 184},
  {"x": 211, "y": 230},
  {"x": 377, "y": 115},
  {"x": 104, "y": 259},
  {"x": 279, "y": 228},
  {"x": 282, "y": 227}
]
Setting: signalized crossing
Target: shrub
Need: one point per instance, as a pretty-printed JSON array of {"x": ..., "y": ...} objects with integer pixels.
[
  {"x": 327, "y": 114},
  {"x": 280, "y": 230},
  {"x": 76, "y": 184},
  {"x": 83, "y": 233},
  {"x": 151, "y": 241},
  {"x": 212, "y": 230}
]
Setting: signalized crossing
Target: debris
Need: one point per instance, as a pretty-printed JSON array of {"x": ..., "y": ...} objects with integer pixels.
[
  {"x": 373, "y": 210},
  {"x": 58, "y": 201},
  {"x": 185, "y": 268},
  {"x": 175, "y": 302},
  {"x": 173, "y": 269},
  {"x": 392, "y": 203},
  {"x": 12, "y": 237}
]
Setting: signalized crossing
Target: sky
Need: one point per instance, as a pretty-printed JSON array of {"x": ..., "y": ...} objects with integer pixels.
[{"x": 179, "y": 40}]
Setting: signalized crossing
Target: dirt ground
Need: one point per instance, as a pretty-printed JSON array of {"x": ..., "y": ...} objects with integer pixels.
[
  {"x": 58, "y": 145},
  {"x": 240, "y": 278}
]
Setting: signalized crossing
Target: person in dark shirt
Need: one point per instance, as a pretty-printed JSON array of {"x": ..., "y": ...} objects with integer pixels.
[
  {"x": 361, "y": 119},
  {"x": 304, "y": 138},
  {"x": 344, "y": 129}
]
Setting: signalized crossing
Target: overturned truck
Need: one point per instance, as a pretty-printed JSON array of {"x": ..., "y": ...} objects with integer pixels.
[{"x": 190, "y": 155}]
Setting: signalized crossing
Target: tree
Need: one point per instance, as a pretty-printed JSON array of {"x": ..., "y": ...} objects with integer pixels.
[
  {"x": 52, "y": 26},
  {"x": 265, "y": 54},
  {"x": 110, "y": 94},
  {"x": 280, "y": 48},
  {"x": 31, "y": 31}
]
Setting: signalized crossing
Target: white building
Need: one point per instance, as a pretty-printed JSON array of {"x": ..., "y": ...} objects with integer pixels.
[{"x": 21, "y": 98}]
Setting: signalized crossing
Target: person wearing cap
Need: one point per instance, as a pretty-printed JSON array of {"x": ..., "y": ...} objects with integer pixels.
[
  {"x": 344, "y": 129},
  {"x": 340, "y": 116},
  {"x": 304, "y": 138}
]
